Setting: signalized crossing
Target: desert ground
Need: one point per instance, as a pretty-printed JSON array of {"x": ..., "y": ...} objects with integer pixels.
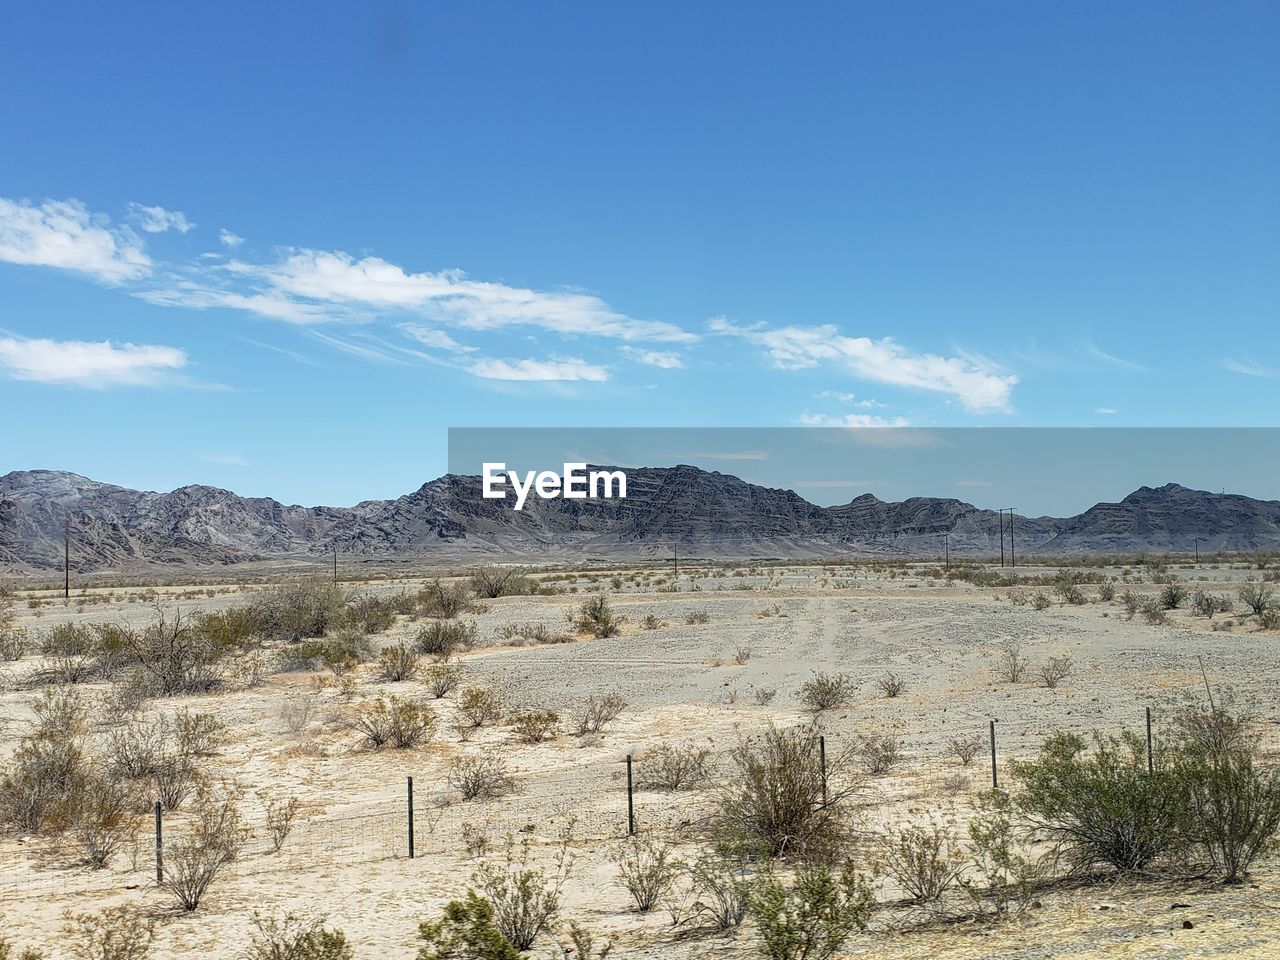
[{"x": 702, "y": 661}]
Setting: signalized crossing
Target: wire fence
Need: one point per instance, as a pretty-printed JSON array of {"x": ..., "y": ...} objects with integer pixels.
[{"x": 883, "y": 779}]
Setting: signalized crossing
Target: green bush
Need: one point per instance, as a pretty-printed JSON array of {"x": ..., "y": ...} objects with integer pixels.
[
  {"x": 293, "y": 938},
  {"x": 493, "y": 582},
  {"x": 1101, "y": 806},
  {"x": 442, "y": 639},
  {"x": 115, "y": 934},
  {"x": 596, "y": 617},
  {"x": 297, "y": 611},
  {"x": 466, "y": 931},
  {"x": 1233, "y": 810},
  {"x": 814, "y": 917}
]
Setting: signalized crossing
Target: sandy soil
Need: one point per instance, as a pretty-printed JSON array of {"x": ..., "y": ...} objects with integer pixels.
[{"x": 683, "y": 682}]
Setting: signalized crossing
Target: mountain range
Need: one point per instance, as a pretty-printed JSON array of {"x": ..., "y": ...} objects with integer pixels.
[{"x": 667, "y": 509}]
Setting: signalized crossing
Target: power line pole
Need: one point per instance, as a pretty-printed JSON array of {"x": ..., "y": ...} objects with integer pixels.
[
  {"x": 1197, "y": 549},
  {"x": 1013, "y": 556},
  {"x": 66, "y": 559},
  {"x": 335, "y": 564},
  {"x": 946, "y": 551},
  {"x": 675, "y": 546},
  {"x": 1002, "y": 536}
]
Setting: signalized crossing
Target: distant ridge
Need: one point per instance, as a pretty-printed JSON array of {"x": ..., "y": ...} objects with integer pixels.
[{"x": 712, "y": 514}]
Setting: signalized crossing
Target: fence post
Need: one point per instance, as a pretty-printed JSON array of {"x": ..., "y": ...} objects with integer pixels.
[
  {"x": 995, "y": 779},
  {"x": 159, "y": 845},
  {"x": 411, "y": 818},
  {"x": 631, "y": 805},
  {"x": 1151, "y": 763},
  {"x": 822, "y": 765}
]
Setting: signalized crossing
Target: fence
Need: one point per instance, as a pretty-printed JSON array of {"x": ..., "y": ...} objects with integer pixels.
[{"x": 421, "y": 817}]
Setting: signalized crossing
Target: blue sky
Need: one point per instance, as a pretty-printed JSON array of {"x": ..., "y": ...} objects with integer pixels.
[{"x": 282, "y": 249}]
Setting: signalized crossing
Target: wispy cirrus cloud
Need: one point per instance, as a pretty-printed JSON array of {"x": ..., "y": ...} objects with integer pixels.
[
  {"x": 229, "y": 239},
  {"x": 854, "y": 420},
  {"x": 979, "y": 387},
  {"x": 63, "y": 234},
  {"x": 90, "y": 364},
  {"x": 531, "y": 370},
  {"x": 1115, "y": 361},
  {"x": 158, "y": 219},
  {"x": 1251, "y": 368}
]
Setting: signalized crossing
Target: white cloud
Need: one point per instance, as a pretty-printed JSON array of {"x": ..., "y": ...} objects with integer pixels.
[
  {"x": 1250, "y": 368},
  {"x": 655, "y": 358},
  {"x": 336, "y": 278},
  {"x": 850, "y": 398},
  {"x": 855, "y": 420},
  {"x": 1117, "y": 361},
  {"x": 1105, "y": 411},
  {"x": 88, "y": 364},
  {"x": 229, "y": 239},
  {"x": 429, "y": 337},
  {"x": 836, "y": 395},
  {"x": 64, "y": 234},
  {"x": 158, "y": 219},
  {"x": 560, "y": 369},
  {"x": 980, "y": 387}
]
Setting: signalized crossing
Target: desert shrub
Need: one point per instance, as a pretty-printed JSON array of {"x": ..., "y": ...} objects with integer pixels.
[
  {"x": 198, "y": 734},
  {"x": 774, "y": 803},
  {"x": 1207, "y": 605},
  {"x": 294, "y": 938},
  {"x": 1055, "y": 671},
  {"x": 597, "y": 712},
  {"x": 1153, "y": 612},
  {"x": 1106, "y": 592},
  {"x": 1132, "y": 603},
  {"x": 1233, "y": 809},
  {"x": 174, "y": 657},
  {"x": 172, "y": 779},
  {"x": 398, "y": 663},
  {"x": 116, "y": 933},
  {"x": 8, "y": 607},
  {"x": 964, "y": 749},
  {"x": 444, "y": 638},
  {"x": 923, "y": 861},
  {"x": 720, "y": 892},
  {"x": 595, "y": 617},
  {"x": 194, "y": 861},
  {"x": 697, "y": 618},
  {"x": 61, "y": 712},
  {"x": 1269, "y": 619},
  {"x": 135, "y": 748},
  {"x": 1002, "y": 874},
  {"x": 647, "y": 869},
  {"x": 535, "y": 726},
  {"x": 1223, "y": 724},
  {"x": 1040, "y": 602},
  {"x": 297, "y": 611},
  {"x": 442, "y": 679},
  {"x": 1100, "y": 807},
  {"x": 478, "y": 706},
  {"x": 296, "y": 710},
  {"x": 826, "y": 691},
  {"x": 232, "y": 628},
  {"x": 1173, "y": 596},
  {"x": 369, "y": 613},
  {"x": 1256, "y": 597},
  {"x": 521, "y": 633},
  {"x": 444, "y": 601},
  {"x": 280, "y": 815},
  {"x": 14, "y": 643},
  {"x": 892, "y": 685},
  {"x": 40, "y": 783},
  {"x": 1068, "y": 588},
  {"x": 400, "y": 723},
  {"x": 493, "y": 582},
  {"x": 812, "y": 919},
  {"x": 9, "y": 952},
  {"x": 103, "y": 817},
  {"x": 651, "y": 622},
  {"x": 466, "y": 931},
  {"x": 671, "y": 766},
  {"x": 480, "y": 777},
  {"x": 582, "y": 945},
  {"x": 525, "y": 897},
  {"x": 763, "y": 696},
  {"x": 878, "y": 752}
]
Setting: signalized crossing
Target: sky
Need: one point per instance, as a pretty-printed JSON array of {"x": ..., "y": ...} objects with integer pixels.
[{"x": 283, "y": 248}]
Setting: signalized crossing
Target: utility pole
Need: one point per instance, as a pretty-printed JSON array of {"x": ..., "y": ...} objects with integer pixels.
[
  {"x": 66, "y": 559},
  {"x": 676, "y": 558},
  {"x": 1002, "y": 536},
  {"x": 1013, "y": 556},
  {"x": 1197, "y": 549},
  {"x": 946, "y": 551},
  {"x": 335, "y": 565}
]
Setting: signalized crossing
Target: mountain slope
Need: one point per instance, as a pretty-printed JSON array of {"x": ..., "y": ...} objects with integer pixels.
[{"x": 711, "y": 512}]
